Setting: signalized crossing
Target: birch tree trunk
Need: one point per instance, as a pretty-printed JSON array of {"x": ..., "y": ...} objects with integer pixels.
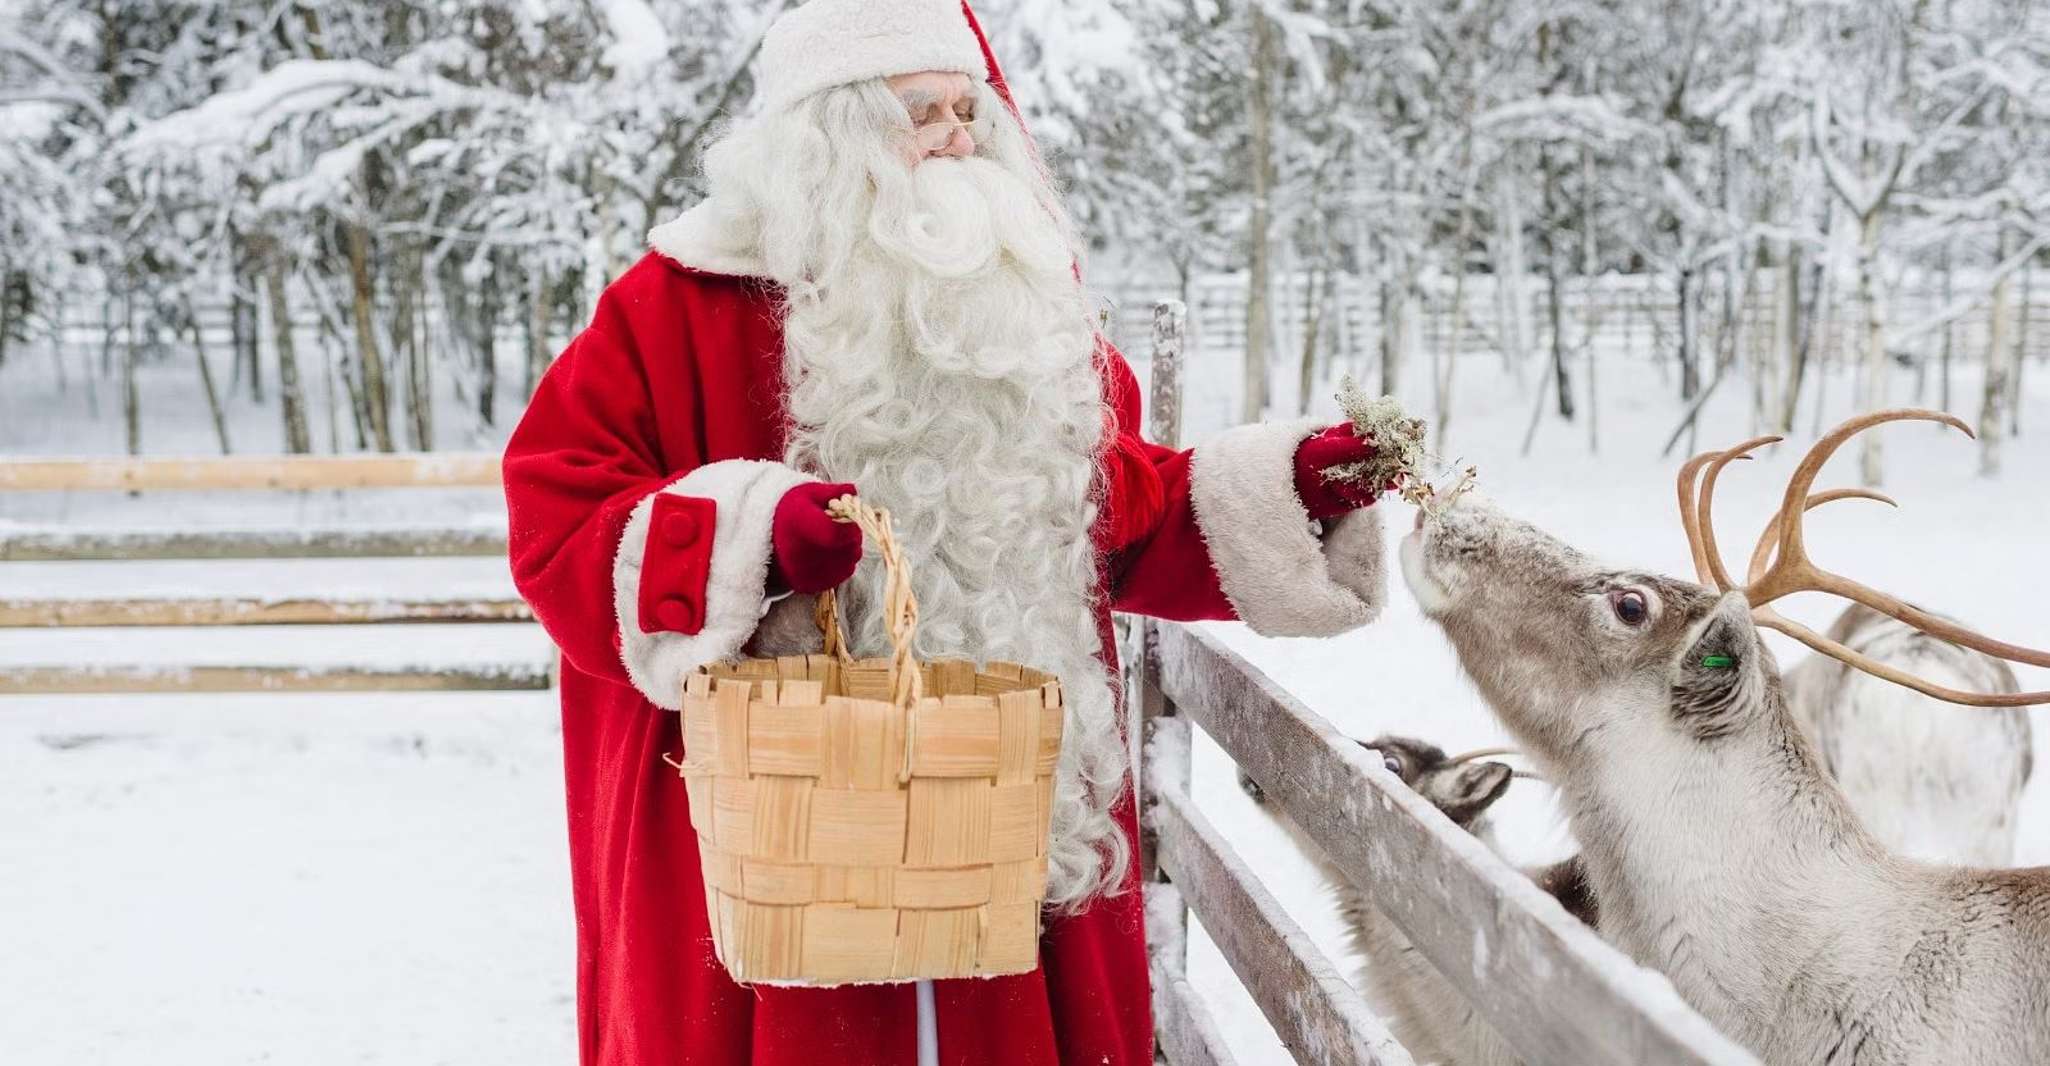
[
  {"x": 1514, "y": 271},
  {"x": 291, "y": 400},
  {"x": 244, "y": 329},
  {"x": 1999, "y": 368},
  {"x": 1690, "y": 359},
  {"x": 1591, "y": 278},
  {"x": 2021, "y": 348},
  {"x": 1949, "y": 329},
  {"x": 59, "y": 334},
  {"x": 1872, "y": 394},
  {"x": 537, "y": 329},
  {"x": 1788, "y": 353},
  {"x": 487, "y": 340},
  {"x": 431, "y": 344},
  {"x": 92, "y": 380},
  {"x": 1394, "y": 331},
  {"x": 6, "y": 312},
  {"x": 376, "y": 397},
  {"x": 112, "y": 327},
  {"x": 131, "y": 394},
  {"x": 400, "y": 324},
  {"x": 330, "y": 386},
  {"x": 206, "y": 377},
  {"x": 1450, "y": 343},
  {"x": 1319, "y": 297},
  {"x": 407, "y": 344},
  {"x": 1556, "y": 305},
  {"x": 1259, "y": 328},
  {"x": 1555, "y": 285},
  {"x": 332, "y": 331}
]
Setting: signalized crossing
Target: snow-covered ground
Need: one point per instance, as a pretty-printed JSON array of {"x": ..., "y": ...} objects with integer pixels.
[
  {"x": 329, "y": 879},
  {"x": 241, "y": 879}
]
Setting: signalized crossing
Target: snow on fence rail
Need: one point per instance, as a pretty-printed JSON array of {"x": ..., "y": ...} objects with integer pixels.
[
  {"x": 293, "y": 472},
  {"x": 18, "y": 613},
  {"x": 57, "y": 544},
  {"x": 102, "y": 680},
  {"x": 1549, "y": 986}
]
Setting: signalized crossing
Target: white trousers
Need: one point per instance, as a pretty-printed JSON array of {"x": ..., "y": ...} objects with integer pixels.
[{"x": 928, "y": 1027}]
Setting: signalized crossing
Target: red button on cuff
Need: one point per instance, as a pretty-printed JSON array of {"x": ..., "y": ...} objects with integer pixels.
[
  {"x": 679, "y": 529},
  {"x": 676, "y": 615}
]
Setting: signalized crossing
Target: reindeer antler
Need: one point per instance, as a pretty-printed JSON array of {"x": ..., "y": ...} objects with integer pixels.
[
  {"x": 1763, "y": 553},
  {"x": 1780, "y": 565}
]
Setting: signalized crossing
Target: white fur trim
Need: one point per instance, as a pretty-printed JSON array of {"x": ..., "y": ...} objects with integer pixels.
[
  {"x": 746, "y": 492},
  {"x": 827, "y": 43},
  {"x": 1281, "y": 577},
  {"x": 706, "y": 238}
]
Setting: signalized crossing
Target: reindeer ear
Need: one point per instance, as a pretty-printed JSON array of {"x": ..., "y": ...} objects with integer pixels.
[
  {"x": 1718, "y": 672},
  {"x": 1474, "y": 789}
]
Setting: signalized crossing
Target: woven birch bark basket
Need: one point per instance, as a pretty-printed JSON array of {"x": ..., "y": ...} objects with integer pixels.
[{"x": 871, "y": 820}]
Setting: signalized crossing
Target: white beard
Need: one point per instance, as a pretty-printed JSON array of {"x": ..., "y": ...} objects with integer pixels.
[{"x": 941, "y": 359}]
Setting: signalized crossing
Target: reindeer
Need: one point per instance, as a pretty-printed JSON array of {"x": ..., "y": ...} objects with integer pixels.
[
  {"x": 1931, "y": 786},
  {"x": 1716, "y": 844}
]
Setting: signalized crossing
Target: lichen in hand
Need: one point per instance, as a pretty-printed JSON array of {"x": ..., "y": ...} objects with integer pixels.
[{"x": 1400, "y": 457}]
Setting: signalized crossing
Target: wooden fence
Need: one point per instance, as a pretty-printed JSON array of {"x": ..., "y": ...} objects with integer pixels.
[
  {"x": 1635, "y": 314},
  {"x": 1549, "y": 986},
  {"x": 296, "y": 473}
]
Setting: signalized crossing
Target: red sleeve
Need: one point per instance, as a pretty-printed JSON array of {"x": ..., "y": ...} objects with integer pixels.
[
  {"x": 584, "y": 454},
  {"x": 1159, "y": 563}
]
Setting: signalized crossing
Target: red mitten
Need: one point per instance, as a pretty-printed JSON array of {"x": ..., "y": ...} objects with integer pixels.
[
  {"x": 813, "y": 552},
  {"x": 1326, "y": 497}
]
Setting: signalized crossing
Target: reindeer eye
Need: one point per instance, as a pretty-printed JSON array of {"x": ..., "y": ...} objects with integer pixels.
[
  {"x": 1630, "y": 607},
  {"x": 1393, "y": 764}
]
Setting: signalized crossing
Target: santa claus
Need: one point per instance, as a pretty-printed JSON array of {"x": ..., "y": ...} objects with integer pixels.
[{"x": 879, "y": 295}]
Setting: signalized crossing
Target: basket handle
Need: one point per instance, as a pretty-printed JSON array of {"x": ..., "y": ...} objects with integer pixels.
[{"x": 899, "y": 605}]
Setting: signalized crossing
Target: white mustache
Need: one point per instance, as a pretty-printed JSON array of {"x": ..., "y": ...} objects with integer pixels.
[{"x": 954, "y": 218}]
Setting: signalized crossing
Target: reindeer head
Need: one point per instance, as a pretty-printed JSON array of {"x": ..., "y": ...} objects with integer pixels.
[
  {"x": 1461, "y": 786},
  {"x": 1567, "y": 650}
]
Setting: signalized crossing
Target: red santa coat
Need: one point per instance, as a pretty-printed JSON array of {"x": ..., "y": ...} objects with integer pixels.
[{"x": 640, "y": 487}]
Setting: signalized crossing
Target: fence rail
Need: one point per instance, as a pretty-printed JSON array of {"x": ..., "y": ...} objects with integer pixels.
[
  {"x": 1187, "y": 1034},
  {"x": 296, "y": 472},
  {"x": 58, "y": 544},
  {"x": 102, "y": 680},
  {"x": 253, "y": 611}
]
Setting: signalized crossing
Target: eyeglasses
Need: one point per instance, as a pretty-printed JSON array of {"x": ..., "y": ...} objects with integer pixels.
[{"x": 936, "y": 136}]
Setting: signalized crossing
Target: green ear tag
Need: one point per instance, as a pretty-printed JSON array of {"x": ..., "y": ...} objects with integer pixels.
[{"x": 1718, "y": 662}]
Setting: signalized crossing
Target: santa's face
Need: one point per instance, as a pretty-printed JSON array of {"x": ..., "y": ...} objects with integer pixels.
[{"x": 942, "y": 106}]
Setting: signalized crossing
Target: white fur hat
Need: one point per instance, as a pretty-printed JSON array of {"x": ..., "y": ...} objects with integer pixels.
[{"x": 827, "y": 43}]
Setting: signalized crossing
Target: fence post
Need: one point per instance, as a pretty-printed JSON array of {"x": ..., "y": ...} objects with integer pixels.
[{"x": 1151, "y": 712}]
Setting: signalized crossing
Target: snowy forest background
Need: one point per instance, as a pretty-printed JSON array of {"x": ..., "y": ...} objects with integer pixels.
[{"x": 432, "y": 193}]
